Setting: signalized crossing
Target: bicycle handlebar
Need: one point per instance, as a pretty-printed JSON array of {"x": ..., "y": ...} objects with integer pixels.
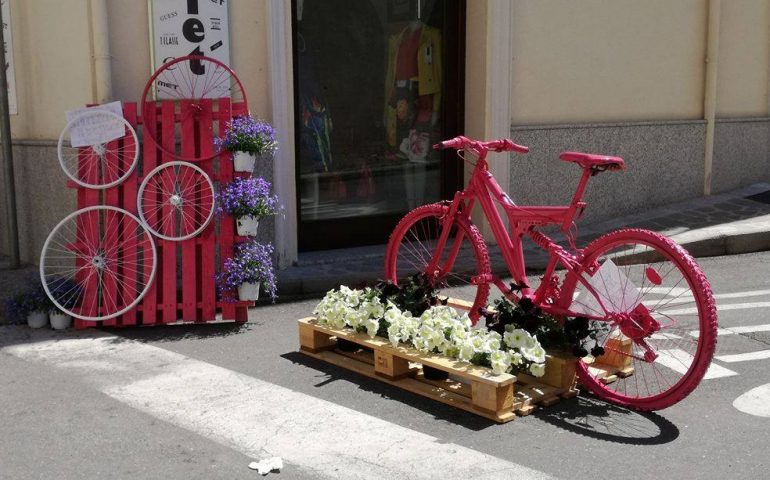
[{"x": 501, "y": 145}]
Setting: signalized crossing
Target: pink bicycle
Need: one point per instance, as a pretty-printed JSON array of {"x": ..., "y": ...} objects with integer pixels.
[{"x": 650, "y": 294}]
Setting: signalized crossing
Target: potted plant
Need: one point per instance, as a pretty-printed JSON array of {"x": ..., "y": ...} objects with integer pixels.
[
  {"x": 66, "y": 292},
  {"x": 248, "y": 200},
  {"x": 250, "y": 268},
  {"x": 247, "y": 137},
  {"x": 28, "y": 306}
]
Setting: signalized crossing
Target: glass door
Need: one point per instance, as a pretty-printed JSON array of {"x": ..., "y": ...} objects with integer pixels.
[{"x": 377, "y": 82}]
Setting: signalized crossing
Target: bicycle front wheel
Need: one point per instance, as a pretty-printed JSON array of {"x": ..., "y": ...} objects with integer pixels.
[
  {"x": 659, "y": 320},
  {"x": 414, "y": 242}
]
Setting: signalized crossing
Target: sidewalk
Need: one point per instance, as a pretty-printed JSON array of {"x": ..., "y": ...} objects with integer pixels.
[{"x": 724, "y": 224}]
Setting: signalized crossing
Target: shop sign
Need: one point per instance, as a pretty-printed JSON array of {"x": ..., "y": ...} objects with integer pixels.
[
  {"x": 190, "y": 27},
  {"x": 9, "y": 69}
]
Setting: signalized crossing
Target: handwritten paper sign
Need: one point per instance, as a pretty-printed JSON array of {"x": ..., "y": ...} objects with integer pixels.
[
  {"x": 92, "y": 128},
  {"x": 617, "y": 292}
]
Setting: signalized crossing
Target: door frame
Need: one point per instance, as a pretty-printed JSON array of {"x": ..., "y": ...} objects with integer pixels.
[{"x": 486, "y": 20}]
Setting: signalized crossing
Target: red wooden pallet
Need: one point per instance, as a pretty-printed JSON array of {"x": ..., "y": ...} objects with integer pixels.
[{"x": 191, "y": 296}]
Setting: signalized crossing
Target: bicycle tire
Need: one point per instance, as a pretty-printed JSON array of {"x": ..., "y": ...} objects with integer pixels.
[
  {"x": 686, "y": 319},
  {"x": 411, "y": 240}
]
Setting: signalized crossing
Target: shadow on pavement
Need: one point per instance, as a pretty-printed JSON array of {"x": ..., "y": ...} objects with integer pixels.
[
  {"x": 179, "y": 332},
  {"x": 589, "y": 416},
  {"x": 438, "y": 410}
]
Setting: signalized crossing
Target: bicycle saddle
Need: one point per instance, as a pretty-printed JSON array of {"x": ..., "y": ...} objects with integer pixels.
[{"x": 590, "y": 160}]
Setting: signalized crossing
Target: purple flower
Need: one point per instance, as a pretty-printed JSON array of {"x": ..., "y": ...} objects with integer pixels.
[
  {"x": 247, "y": 134},
  {"x": 252, "y": 263},
  {"x": 247, "y": 196}
]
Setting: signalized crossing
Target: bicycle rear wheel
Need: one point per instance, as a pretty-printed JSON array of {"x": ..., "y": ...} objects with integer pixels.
[
  {"x": 659, "y": 319},
  {"x": 414, "y": 242}
]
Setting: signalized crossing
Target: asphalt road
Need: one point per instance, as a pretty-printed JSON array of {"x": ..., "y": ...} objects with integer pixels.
[{"x": 202, "y": 401}]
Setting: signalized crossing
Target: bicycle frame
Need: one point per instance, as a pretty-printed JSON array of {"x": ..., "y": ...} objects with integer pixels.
[{"x": 485, "y": 190}]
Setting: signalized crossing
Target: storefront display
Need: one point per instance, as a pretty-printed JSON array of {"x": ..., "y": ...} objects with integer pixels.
[{"x": 370, "y": 94}]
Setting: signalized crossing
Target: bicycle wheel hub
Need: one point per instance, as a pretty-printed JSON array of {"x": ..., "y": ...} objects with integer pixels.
[
  {"x": 99, "y": 149},
  {"x": 638, "y": 323},
  {"x": 175, "y": 200},
  {"x": 99, "y": 262}
]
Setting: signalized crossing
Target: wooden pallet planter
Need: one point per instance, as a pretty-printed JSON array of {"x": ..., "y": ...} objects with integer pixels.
[
  {"x": 183, "y": 289},
  {"x": 472, "y": 388},
  {"x": 616, "y": 361}
]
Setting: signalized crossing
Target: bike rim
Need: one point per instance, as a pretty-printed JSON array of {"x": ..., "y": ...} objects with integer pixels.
[
  {"x": 101, "y": 165},
  {"x": 97, "y": 263},
  {"x": 646, "y": 275},
  {"x": 176, "y": 201},
  {"x": 194, "y": 88},
  {"x": 416, "y": 246}
]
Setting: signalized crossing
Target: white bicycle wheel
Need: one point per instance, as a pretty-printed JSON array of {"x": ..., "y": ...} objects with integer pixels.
[
  {"x": 87, "y": 155},
  {"x": 98, "y": 263},
  {"x": 176, "y": 201}
]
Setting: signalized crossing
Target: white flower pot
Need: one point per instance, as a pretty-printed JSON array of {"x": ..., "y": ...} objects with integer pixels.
[
  {"x": 248, "y": 291},
  {"x": 247, "y": 225},
  {"x": 60, "y": 321},
  {"x": 244, "y": 161},
  {"x": 37, "y": 319}
]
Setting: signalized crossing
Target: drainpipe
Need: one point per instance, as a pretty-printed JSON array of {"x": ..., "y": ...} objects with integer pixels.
[
  {"x": 7, "y": 151},
  {"x": 710, "y": 90},
  {"x": 101, "y": 70}
]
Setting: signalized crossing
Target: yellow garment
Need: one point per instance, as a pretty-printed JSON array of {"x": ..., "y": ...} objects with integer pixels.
[{"x": 428, "y": 73}]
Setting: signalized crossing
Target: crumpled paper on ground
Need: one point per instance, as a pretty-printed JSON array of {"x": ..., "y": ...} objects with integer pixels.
[{"x": 267, "y": 465}]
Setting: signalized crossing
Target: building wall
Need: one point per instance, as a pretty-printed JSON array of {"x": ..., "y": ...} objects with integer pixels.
[
  {"x": 54, "y": 73},
  {"x": 585, "y": 74},
  {"x": 607, "y": 60}
]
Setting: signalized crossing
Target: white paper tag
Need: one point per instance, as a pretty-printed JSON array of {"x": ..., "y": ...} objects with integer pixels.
[
  {"x": 96, "y": 129},
  {"x": 617, "y": 292}
]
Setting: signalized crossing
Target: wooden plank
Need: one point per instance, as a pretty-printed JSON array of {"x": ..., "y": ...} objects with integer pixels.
[
  {"x": 149, "y": 162},
  {"x": 168, "y": 129},
  {"x": 462, "y": 369},
  {"x": 226, "y": 224},
  {"x": 129, "y": 203},
  {"x": 207, "y": 244},
  {"x": 409, "y": 384},
  {"x": 189, "y": 210}
]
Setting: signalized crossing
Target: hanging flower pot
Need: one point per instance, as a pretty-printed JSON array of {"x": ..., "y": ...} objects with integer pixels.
[
  {"x": 37, "y": 319},
  {"x": 248, "y": 291},
  {"x": 244, "y": 161},
  {"x": 247, "y": 137},
  {"x": 247, "y": 225},
  {"x": 60, "y": 321}
]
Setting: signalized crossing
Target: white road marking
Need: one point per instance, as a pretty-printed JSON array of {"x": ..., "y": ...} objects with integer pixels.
[
  {"x": 258, "y": 418},
  {"x": 737, "y": 330},
  {"x": 744, "y": 357},
  {"x": 755, "y": 402},
  {"x": 722, "y": 296},
  {"x": 721, "y": 308},
  {"x": 665, "y": 336},
  {"x": 677, "y": 360}
]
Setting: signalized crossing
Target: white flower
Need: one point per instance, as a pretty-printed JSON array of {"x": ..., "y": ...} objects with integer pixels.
[
  {"x": 536, "y": 354},
  {"x": 466, "y": 351},
  {"x": 500, "y": 362},
  {"x": 516, "y": 338},
  {"x": 491, "y": 345},
  {"x": 372, "y": 325},
  {"x": 516, "y": 358},
  {"x": 537, "y": 369}
]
